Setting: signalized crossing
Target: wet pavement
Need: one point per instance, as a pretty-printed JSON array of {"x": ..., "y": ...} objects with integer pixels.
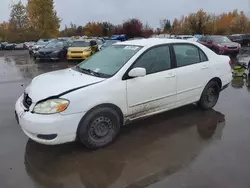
[{"x": 186, "y": 147}]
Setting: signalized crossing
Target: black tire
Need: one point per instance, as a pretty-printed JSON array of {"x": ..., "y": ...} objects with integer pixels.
[
  {"x": 209, "y": 96},
  {"x": 99, "y": 128}
]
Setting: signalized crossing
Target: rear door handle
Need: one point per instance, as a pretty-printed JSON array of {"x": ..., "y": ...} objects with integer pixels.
[
  {"x": 170, "y": 75},
  {"x": 205, "y": 67}
]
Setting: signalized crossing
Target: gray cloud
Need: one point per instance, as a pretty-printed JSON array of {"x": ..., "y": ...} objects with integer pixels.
[{"x": 115, "y": 11}]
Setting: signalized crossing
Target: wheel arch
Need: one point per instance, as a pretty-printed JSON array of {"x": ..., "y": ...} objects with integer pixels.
[
  {"x": 107, "y": 105},
  {"x": 217, "y": 80}
]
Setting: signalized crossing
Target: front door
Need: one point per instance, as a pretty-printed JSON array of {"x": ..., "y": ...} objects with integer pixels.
[
  {"x": 193, "y": 69},
  {"x": 157, "y": 90}
]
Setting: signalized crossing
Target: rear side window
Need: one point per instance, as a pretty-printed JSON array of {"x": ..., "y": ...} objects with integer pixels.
[
  {"x": 203, "y": 57},
  {"x": 187, "y": 54}
]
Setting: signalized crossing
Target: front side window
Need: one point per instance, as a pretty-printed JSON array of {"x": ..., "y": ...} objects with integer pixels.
[
  {"x": 186, "y": 54},
  {"x": 155, "y": 60},
  {"x": 109, "y": 60}
]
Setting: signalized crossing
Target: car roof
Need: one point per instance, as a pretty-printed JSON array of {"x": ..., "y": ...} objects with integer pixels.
[{"x": 152, "y": 42}]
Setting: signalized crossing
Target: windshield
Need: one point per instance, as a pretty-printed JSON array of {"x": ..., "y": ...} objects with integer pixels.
[
  {"x": 54, "y": 45},
  {"x": 221, "y": 39},
  {"x": 80, "y": 44},
  {"x": 110, "y": 60}
]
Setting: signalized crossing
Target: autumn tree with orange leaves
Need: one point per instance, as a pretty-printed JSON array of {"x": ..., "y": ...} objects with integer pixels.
[
  {"x": 202, "y": 22},
  {"x": 41, "y": 20}
]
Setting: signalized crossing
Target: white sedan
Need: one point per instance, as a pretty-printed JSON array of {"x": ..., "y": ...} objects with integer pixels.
[{"x": 121, "y": 83}]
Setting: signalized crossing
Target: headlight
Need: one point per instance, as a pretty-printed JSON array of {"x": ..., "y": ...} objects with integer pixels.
[
  {"x": 51, "y": 106},
  {"x": 220, "y": 45},
  {"x": 239, "y": 45}
]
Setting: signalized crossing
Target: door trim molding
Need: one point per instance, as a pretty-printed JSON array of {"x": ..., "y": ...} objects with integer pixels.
[{"x": 155, "y": 99}]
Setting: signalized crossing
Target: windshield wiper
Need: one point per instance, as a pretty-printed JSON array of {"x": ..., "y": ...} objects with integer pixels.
[{"x": 91, "y": 72}]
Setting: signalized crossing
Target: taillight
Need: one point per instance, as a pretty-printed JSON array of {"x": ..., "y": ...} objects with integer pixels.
[{"x": 230, "y": 62}]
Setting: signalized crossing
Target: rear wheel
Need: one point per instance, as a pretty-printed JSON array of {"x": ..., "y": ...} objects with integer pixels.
[
  {"x": 210, "y": 95},
  {"x": 99, "y": 128}
]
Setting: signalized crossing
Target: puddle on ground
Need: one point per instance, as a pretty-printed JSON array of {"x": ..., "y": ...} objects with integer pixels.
[{"x": 146, "y": 152}]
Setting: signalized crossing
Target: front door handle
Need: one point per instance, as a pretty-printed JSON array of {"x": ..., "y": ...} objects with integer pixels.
[{"x": 170, "y": 75}]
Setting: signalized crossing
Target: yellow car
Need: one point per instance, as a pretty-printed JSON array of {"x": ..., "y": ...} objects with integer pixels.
[{"x": 82, "y": 49}]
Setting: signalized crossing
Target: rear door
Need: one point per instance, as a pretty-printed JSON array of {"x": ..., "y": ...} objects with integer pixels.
[{"x": 192, "y": 71}]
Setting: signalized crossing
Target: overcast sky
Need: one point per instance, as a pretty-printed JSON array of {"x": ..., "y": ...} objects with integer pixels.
[{"x": 115, "y": 11}]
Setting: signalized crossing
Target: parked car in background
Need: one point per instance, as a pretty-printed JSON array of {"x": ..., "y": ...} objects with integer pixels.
[
  {"x": 109, "y": 43},
  {"x": 194, "y": 39},
  {"x": 245, "y": 38},
  {"x": 53, "y": 51},
  {"x": 37, "y": 46},
  {"x": 121, "y": 37},
  {"x": 236, "y": 38},
  {"x": 185, "y": 37},
  {"x": 29, "y": 45},
  {"x": 19, "y": 46},
  {"x": 127, "y": 81},
  {"x": 82, "y": 49},
  {"x": 220, "y": 44},
  {"x": 2, "y": 45},
  {"x": 10, "y": 46},
  {"x": 102, "y": 39},
  {"x": 99, "y": 43}
]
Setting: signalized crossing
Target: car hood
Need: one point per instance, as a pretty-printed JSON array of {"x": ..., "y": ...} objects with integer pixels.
[
  {"x": 229, "y": 44},
  {"x": 78, "y": 48},
  {"x": 57, "y": 82}
]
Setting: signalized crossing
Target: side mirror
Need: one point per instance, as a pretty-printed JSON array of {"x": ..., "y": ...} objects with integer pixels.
[{"x": 137, "y": 72}]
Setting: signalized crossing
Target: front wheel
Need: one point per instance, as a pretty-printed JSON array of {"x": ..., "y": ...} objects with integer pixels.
[
  {"x": 99, "y": 128},
  {"x": 210, "y": 96}
]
